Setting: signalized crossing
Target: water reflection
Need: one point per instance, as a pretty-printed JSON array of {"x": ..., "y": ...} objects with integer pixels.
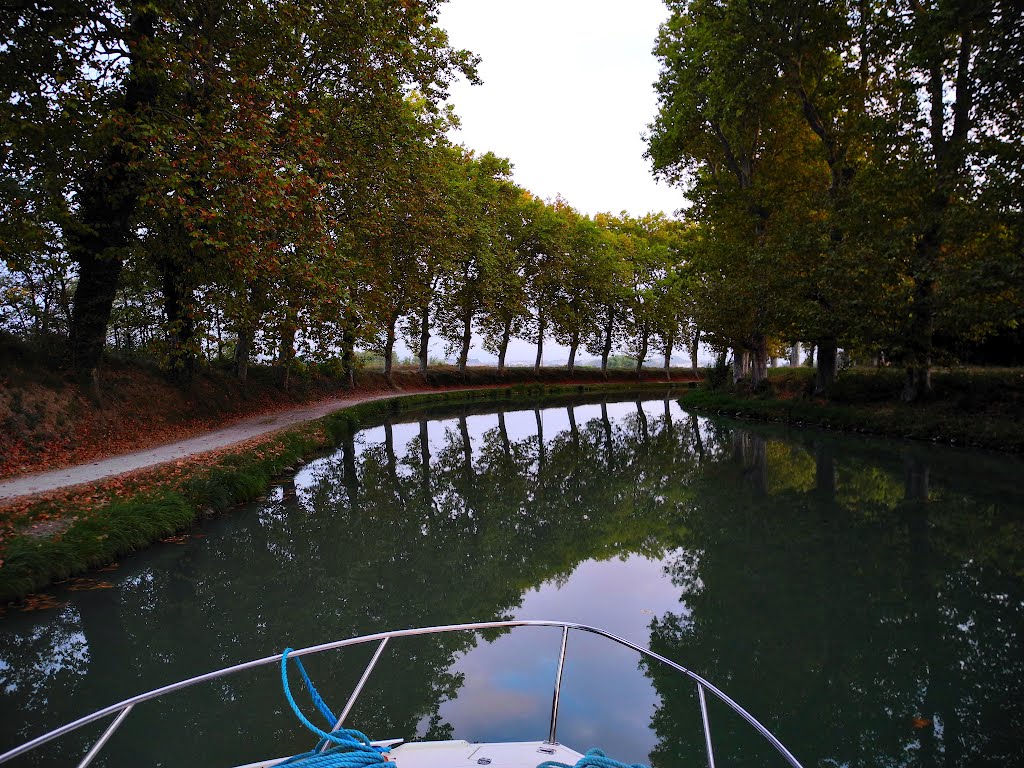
[
  {"x": 867, "y": 604},
  {"x": 862, "y": 598}
]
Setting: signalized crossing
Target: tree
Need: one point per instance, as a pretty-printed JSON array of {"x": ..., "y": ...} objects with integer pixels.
[
  {"x": 482, "y": 195},
  {"x": 609, "y": 278},
  {"x": 505, "y": 297},
  {"x": 574, "y": 308},
  {"x": 191, "y": 125},
  {"x": 722, "y": 116}
]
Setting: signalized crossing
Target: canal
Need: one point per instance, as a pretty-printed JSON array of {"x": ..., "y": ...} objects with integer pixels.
[{"x": 863, "y": 598}]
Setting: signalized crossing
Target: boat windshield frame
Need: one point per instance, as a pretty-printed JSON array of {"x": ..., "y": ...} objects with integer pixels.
[{"x": 121, "y": 710}]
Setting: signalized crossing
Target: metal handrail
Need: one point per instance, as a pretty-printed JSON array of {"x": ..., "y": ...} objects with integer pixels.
[{"x": 121, "y": 709}]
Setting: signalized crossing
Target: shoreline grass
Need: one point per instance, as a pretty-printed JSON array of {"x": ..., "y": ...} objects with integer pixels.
[{"x": 968, "y": 409}]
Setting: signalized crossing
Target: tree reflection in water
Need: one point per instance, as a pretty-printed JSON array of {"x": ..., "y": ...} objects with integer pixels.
[
  {"x": 868, "y": 614},
  {"x": 862, "y": 598}
]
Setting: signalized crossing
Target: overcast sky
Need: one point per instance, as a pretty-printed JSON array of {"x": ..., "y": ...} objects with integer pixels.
[{"x": 567, "y": 93}]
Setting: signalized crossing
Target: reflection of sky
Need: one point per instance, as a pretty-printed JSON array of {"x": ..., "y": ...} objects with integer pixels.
[
  {"x": 520, "y": 425},
  {"x": 46, "y": 652},
  {"x": 606, "y": 700}
]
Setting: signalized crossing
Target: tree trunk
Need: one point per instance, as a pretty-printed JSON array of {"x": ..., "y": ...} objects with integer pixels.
[
  {"x": 794, "y": 355},
  {"x": 607, "y": 349},
  {"x": 758, "y": 360},
  {"x": 286, "y": 352},
  {"x": 181, "y": 325},
  {"x": 641, "y": 353},
  {"x": 541, "y": 327},
  {"x": 348, "y": 335},
  {"x": 738, "y": 364},
  {"x": 389, "y": 348},
  {"x": 949, "y": 150},
  {"x": 424, "y": 337},
  {"x": 243, "y": 348},
  {"x": 825, "y": 375},
  {"x": 669, "y": 343},
  {"x": 918, "y": 381},
  {"x": 348, "y": 356},
  {"x": 467, "y": 340},
  {"x": 574, "y": 344},
  {"x": 105, "y": 224},
  {"x": 694, "y": 348},
  {"x": 506, "y": 333}
]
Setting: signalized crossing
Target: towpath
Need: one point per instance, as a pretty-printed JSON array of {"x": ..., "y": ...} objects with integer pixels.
[{"x": 237, "y": 432}]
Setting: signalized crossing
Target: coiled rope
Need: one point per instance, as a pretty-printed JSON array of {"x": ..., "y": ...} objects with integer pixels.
[
  {"x": 352, "y": 749},
  {"x": 594, "y": 758}
]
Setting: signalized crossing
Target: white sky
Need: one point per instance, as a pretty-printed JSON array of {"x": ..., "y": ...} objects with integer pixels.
[{"x": 567, "y": 92}]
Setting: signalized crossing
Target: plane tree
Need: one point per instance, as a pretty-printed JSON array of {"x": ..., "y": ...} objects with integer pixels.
[
  {"x": 506, "y": 300},
  {"x": 481, "y": 195},
  {"x": 574, "y": 307},
  {"x": 722, "y": 117}
]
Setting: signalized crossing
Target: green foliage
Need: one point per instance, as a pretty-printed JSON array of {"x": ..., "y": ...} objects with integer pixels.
[
  {"x": 847, "y": 167},
  {"x": 979, "y": 409}
]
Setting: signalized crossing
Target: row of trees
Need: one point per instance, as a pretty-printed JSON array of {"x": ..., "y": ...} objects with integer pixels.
[
  {"x": 855, "y": 169},
  {"x": 223, "y": 180}
]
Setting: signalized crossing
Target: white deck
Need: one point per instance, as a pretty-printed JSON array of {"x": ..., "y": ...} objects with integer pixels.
[{"x": 463, "y": 754}]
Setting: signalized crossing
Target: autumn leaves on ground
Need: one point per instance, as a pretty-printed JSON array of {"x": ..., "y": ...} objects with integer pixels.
[{"x": 50, "y": 421}]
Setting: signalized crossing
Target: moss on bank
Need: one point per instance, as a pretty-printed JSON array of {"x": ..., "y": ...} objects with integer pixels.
[
  {"x": 981, "y": 409},
  {"x": 171, "y": 499}
]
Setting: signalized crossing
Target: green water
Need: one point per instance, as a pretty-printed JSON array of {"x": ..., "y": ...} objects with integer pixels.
[{"x": 864, "y": 599}]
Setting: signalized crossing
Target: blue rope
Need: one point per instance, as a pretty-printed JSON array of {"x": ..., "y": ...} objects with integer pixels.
[
  {"x": 594, "y": 758},
  {"x": 352, "y": 748}
]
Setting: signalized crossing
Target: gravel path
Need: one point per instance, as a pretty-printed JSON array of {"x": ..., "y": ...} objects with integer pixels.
[{"x": 240, "y": 431}]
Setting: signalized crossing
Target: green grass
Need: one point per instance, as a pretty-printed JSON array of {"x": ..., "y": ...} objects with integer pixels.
[
  {"x": 127, "y": 525},
  {"x": 972, "y": 407}
]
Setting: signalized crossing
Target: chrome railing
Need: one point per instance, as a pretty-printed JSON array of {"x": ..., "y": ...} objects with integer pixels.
[{"x": 121, "y": 710}]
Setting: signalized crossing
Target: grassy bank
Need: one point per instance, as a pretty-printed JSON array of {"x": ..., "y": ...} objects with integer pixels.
[
  {"x": 977, "y": 408},
  {"x": 70, "y": 532}
]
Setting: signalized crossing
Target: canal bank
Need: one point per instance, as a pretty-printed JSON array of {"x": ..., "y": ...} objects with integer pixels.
[
  {"x": 973, "y": 409},
  {"x": 56, "y": 535}
]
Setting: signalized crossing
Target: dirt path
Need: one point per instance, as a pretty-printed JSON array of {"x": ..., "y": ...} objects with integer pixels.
[{"x": 238, "y": 432}]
